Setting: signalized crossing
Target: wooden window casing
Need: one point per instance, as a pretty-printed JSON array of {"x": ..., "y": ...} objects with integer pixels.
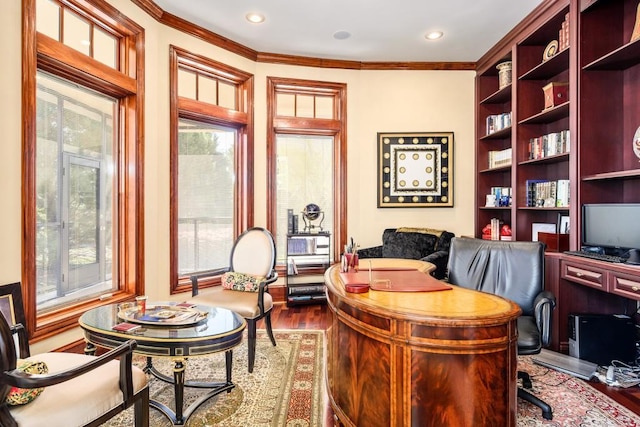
[
  {"x": 335, "y": 126},
  {"x": 126, "y": 84},
  {"x": 239, "y": 118}
]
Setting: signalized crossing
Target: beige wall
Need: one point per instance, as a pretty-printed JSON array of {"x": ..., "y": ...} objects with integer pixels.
[{"x": 378, "y": 101}]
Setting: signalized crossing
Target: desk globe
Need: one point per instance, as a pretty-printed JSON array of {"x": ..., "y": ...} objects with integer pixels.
[{"x": 311, "y": 213}]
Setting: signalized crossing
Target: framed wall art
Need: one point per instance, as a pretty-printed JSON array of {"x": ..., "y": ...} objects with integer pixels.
[
  {"x": 415, "y": 170},
  {"x": 11, "y": 304}
]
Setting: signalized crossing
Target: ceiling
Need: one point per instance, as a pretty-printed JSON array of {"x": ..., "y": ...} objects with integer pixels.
[{"x": 380, "y": 30}]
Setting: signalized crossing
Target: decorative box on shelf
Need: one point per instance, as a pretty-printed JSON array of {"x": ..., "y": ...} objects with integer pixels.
[
  {"x": 555, "y": 93},
  {"x": 555, "y": 242}
]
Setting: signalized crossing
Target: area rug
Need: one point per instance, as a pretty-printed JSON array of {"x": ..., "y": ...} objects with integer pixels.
[
  {"x": 574, "y": 402},
  {"x": 286, "y": 387}
]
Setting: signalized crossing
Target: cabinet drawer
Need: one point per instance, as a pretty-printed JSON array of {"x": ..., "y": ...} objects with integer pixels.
[
  {"x": 585, "y": 275},
  {"x": 625, "y": 285}
]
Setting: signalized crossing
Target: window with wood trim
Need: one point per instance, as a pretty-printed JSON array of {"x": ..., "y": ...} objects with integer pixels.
[
  {"x": 211, "y": 164},
  {"x": 82, "y": 162},
  {"x": 306, "y": 156}
]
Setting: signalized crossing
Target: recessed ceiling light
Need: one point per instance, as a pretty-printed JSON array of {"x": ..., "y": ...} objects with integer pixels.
[
  {"x": 434, "y": 35},
  {"x": 341, "y": 35},
  {"x": 255, "y": 18}
]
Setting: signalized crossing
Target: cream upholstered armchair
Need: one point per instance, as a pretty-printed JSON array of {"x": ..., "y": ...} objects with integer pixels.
[
  {"x": 245, "y": 283},
  {"x": 77, "y": 390}
]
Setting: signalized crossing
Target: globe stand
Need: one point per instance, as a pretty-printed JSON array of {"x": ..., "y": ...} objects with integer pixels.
[{"x": 309, "y": 226}]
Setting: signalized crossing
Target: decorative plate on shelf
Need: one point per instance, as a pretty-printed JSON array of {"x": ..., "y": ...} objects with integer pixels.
[
  {"x": 166, "y": 315},
  {"x": 636, "y": 143},
  {"x": 550, "y": 50}
]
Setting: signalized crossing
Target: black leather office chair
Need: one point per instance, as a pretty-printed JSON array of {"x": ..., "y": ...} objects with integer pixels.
[{"x": 513, "y": 270}]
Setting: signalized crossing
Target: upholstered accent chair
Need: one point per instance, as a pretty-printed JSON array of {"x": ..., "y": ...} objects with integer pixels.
[
  {"x": 425, "y": 244},
  {"x": 253, "y": 255},
  {"x": 77, "y": 390},
  {"x": 512, "y": 270}
]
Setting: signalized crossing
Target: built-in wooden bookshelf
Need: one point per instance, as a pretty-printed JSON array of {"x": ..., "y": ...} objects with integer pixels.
[
  {"x": 601, "y": 65},
  {"x": 524, "y": 98}
]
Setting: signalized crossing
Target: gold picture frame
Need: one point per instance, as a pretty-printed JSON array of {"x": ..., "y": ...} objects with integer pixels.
[
  {"x": 11, "y": 304},
  {"x": 415, "y": 169}
]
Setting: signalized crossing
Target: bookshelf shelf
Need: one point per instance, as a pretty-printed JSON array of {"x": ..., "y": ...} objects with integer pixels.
[
  {"x": 498, "y": 97},
  {"x": 630, "y": 174},
  {"x": 553, "y": 66},
  {"x": 563, "y": 157},
  {"x": 550, "y": 115}
]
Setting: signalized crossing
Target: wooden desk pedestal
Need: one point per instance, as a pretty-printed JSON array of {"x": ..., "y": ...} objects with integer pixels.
[{"x": 445, "y": 358}]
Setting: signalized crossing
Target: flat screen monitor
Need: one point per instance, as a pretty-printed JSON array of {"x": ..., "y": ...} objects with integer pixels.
[{"x": 614, "y": 227}]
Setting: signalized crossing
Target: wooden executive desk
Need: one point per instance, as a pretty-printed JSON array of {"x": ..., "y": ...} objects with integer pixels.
[{"x": 445, "y": 358}]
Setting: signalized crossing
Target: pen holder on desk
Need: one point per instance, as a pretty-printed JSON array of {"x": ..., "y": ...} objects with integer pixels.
[{"x": 352, "y": 261}]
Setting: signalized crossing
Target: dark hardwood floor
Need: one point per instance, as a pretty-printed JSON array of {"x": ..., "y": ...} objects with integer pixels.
[{"x": 317, "y": 317}]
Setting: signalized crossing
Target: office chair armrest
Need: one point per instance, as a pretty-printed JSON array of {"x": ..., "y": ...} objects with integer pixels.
[
  {"x": 23, "y": 339},
  {"x": 18, "y": 378},
  {"x": 195, "y": 278},
  {"x": 543, "y": 307}
]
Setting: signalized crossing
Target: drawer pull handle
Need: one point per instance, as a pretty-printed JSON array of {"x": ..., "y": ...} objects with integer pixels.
[
  {"x": 634, "y": 288},
  {"x": 579, "y": 274}
]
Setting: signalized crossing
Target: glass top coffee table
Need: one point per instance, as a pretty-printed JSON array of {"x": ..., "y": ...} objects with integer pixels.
[{"x": 211, "y": 330}]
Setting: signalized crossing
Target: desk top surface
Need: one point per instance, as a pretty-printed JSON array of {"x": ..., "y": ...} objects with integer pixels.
[{"x": 446, "y": 305}]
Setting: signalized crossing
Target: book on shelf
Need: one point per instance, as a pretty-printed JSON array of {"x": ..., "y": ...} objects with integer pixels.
[
  {"x": 563, "y": 34},
  {"x": 496, "y": 122},
  {"x": 530, "y": 186},
  {"x": 293, "y": 267},
  {"x": 545, "y": 193},
  {"x": 562, "y": 193},
  {"x": 502, "y": 196},
  {"x": 500, "y": 158},
  {"x": 549, "y": 145},
  {"x": 290, "y": 221}
]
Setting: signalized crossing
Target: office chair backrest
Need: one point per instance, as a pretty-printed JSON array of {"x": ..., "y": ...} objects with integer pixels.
[
  {"x": 254, "y": 252},
  {"x": 513, "y": 270}
]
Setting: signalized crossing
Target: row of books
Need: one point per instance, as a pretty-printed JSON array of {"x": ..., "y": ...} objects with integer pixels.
[
  {"x": 500, "y": 158},
  {"x": 502, "y": 196},
  {"x": 300, "y": 246},
  {"x": 549, "y": 145},
  {"x": 544, "y": 193},
  {"x": 496, "y": 122},
  {"x": 563, "y": 34}
]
